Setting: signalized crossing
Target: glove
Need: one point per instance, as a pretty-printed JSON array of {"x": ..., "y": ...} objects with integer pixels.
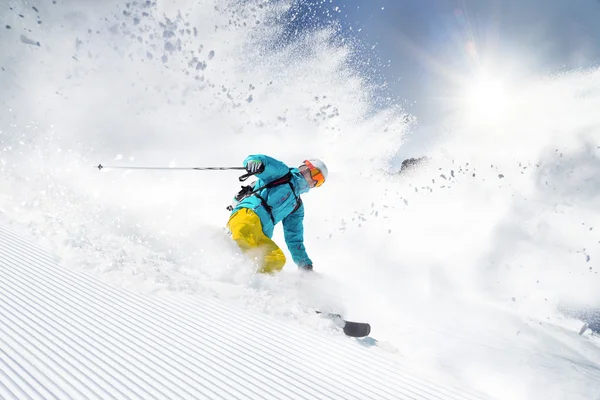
[
  {"x": 255, "y": 167},
  {"x": 307, "y": 267}
]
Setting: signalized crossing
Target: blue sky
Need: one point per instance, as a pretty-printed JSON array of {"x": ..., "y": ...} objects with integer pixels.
[{"x": 429, "y": 48}]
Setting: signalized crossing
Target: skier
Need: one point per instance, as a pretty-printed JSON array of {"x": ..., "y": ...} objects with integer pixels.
[{"x": 274, "y": 198}]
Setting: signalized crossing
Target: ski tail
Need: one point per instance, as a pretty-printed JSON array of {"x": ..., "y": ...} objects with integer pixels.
[
  {"x": 357, "y": 329},
  {"x": 350, "y": 328}
]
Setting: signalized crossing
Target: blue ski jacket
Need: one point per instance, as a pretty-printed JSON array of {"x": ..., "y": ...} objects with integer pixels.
[{"x": 283, "y": 202}]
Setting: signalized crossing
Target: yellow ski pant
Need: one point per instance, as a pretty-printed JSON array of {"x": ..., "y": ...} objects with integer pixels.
[{"x": 246, "y": 230}]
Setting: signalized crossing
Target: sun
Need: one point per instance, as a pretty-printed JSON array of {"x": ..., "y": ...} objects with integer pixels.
[{"x": 485, "y": 99}]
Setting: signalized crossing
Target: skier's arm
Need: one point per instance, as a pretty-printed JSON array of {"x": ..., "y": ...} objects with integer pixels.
[
  {"x": 271, "y": 168},
  {"x": 293, "y": 231}
]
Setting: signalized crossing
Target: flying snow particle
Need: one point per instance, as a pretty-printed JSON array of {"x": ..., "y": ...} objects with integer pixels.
[{"x": 26, "y": 40}]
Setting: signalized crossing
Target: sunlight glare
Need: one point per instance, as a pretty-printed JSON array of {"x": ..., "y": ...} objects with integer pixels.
[{"x": 486, "y": 99}]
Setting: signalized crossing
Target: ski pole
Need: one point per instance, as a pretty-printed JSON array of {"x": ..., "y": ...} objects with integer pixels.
[
  {"x": 241, "y": 178},
  {"x": 100, "y": 167}
]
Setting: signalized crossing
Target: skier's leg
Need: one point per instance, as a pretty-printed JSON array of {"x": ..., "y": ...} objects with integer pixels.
[
  {"x": 273, "y": 258},
  {"x": 246, "y": 230},
  {"x": 240, "y": 225}
]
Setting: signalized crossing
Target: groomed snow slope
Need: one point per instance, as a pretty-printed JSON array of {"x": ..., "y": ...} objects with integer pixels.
[{"x": 67, "y": 335}]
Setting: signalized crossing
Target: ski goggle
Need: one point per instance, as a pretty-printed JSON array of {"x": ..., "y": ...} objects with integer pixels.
[{"x": 315, "y": 173}]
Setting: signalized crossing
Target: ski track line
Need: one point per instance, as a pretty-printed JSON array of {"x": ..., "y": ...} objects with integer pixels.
[{"x": 92, "y": 328}]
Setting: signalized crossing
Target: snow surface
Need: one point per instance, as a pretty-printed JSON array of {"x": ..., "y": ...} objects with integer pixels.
[
  {"x": 461, "y": 267},
  {"x": 67, "y": 335}
]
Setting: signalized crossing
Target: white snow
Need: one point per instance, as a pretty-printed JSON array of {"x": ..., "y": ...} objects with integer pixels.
[
  {"x": 460, "y": 267},
  {"x": 67, "y": 335}
]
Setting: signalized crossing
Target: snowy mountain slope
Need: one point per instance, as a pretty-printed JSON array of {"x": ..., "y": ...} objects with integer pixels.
[
  {"x": 67, "y": 335},
  {"x": 462, "y": 266}
]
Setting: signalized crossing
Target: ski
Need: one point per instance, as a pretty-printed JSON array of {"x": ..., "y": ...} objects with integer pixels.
[
  {"x": 350, "y": 328},
  {"x": 356, "y": 329}
]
